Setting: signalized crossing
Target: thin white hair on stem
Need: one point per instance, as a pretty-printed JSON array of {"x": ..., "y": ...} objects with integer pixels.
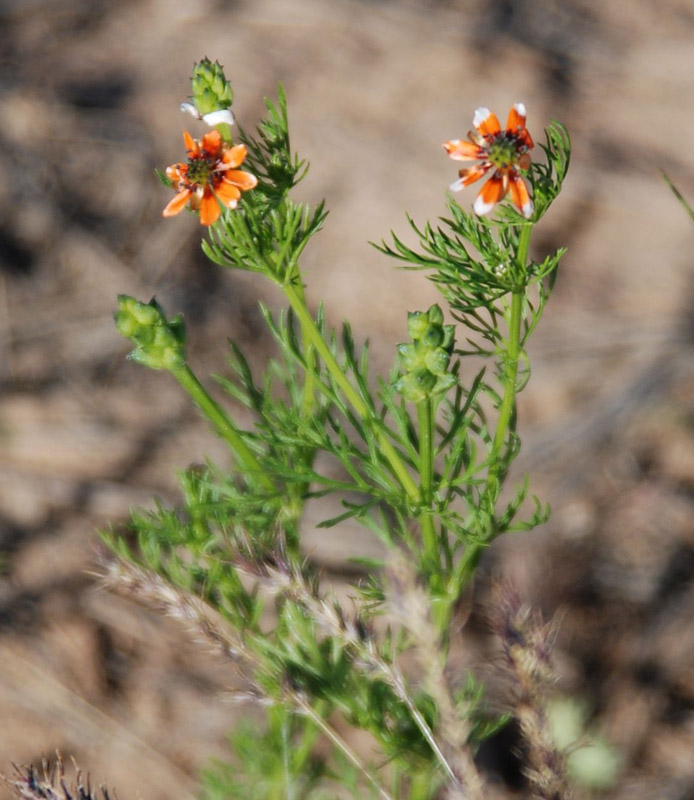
[{"x": 305, "y": 708}]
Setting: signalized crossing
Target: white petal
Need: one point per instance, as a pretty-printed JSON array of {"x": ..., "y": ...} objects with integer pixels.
[
  {"x": 189, "y": 108},
  {"x": 456, "y": 186},
  {"x": 528, "y": 209},
  {"x": 480, "y": 207},
  {"x": 520, "y": 108},
  {"x": 224, "y": 115},
  {"x": 480, "y": 115}
]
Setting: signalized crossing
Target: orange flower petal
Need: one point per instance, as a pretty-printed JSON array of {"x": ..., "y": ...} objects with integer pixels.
[
  {"x": 516, "y": 118},
  {"x": 176, "y": 204},
  {"x": 212, "y": 142},
  {"x": 244, "y": 180},
  {"x": 526, "y": 138},
  {"x": 493, "y": 191},
  {"x": 516, "y": 125},
  {"x": 469, "y": 175},
  {"x": 461, "y": 150},
  {"x": 176, "y": 171},
  {"x": 209, "y": 208},
  {"x": 519, "y": 195},
  {"x": 191, "y": 144},
  {"x": 486, "y": 122},
  {"x": 235, "y": 156},
  {"x": 228, "y": 194}
]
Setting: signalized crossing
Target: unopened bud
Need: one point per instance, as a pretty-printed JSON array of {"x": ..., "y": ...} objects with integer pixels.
[
  {"x": 211, "y": 90},
  {"x": 159, "y": 343},
  {"x": 425, "y": 360}
]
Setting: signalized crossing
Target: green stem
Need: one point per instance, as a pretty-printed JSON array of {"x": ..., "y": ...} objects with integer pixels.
[
  {"x": 508, "y": 402},
  {"x": 286, "y": 765},
  {"x": 224, "y": 425},
  {"x": 305, "y": 708},
  {"x": 308, "y": 400},
  {"x": 224, "y": 130},
  {"x": 510, "y": 362},
  {"x": 468, "y": 563},
  {"x": 311, "y": 329},
  {"x": 425, "y": 417}
]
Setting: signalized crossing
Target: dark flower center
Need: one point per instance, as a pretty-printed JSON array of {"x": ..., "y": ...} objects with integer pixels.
[
  {"x": 201, "y": 169},
  {"x": 505, "y": 150}
]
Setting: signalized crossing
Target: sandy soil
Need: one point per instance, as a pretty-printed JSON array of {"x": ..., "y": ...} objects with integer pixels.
[{"x": 89, "y": 95}]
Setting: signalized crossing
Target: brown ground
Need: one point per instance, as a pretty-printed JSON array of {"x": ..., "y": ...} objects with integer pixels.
[{"x": 89, "y": 106}]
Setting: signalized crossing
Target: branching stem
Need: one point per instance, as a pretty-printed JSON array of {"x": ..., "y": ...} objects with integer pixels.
[
  {"x": 224, "y": 425},
  {"x": 311, "y": 330},
  {"x": 510, "y": 357}
]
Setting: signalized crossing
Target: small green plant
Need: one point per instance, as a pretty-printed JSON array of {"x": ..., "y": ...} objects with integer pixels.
[{"x": 420, "y": 457}]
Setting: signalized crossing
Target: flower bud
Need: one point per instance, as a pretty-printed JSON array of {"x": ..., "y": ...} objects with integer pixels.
[
  {"x": 211, "y": 90},
  {"x": 417, "y": 323},
  {"x": 159, "y": 343},
  {"x": 425, "y": 360}
]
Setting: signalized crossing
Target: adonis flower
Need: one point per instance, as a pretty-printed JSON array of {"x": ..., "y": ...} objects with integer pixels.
[
  {"x": 210, "y": 178},
  {"x": 504, "y": 151}
]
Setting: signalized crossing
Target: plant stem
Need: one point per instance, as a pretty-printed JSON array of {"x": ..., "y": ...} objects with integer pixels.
[
  {"x": 419, "y": 720},
  {"x": 224, "y": 425},
  {"x": 224, "y": 130},
  {"x": 510, "y": 361},
  {"x": 311, "y": 330},
  {"x": 512, "y": 351},
  {"x": 288, "y": 780},
  {"x": 508, "y": 402},
  {"x": 307, "y": 403},
  {"x": 425, "y": 417}
]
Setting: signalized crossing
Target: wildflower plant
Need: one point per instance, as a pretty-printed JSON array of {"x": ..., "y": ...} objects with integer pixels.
[{"x": 419, "y": 457}]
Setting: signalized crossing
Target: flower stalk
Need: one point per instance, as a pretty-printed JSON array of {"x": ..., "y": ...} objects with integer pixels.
[{"x": 226, "y": 428}]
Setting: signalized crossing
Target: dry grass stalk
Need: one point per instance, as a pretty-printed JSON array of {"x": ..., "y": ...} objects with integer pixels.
[
  {"x": 527, "y": 646},
  {"x": 355, "y": 634},
  {"x": 410, "y": 605},
  {"x": 150, "y": 589}
]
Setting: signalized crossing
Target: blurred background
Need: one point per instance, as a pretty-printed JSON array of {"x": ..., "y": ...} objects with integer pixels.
[{"x": 89, "y": 96}]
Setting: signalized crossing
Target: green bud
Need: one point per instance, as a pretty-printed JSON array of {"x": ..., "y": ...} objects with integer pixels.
[
  {"x": 417, "y": 323},
  {"x": 448, "y": 338},
  {"x": 211, "y": 91},
  {"x": 146, "y": 314},
  {"x": 433, "y": 336},
  {"x": 426, "y": 359},
  {"x": 437, "y": 361},
  {"x": 435, "y": 315},
  {"x": 159, "y": 343},
  {"x": 423, "y": 379},
  {"x": 444, "y": 383},
  {"x": 414, "y": 386}
]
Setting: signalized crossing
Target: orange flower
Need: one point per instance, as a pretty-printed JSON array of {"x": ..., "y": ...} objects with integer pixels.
[
  {"x": 505, "y": 151},
  {"x": 209, "y": 179}
]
